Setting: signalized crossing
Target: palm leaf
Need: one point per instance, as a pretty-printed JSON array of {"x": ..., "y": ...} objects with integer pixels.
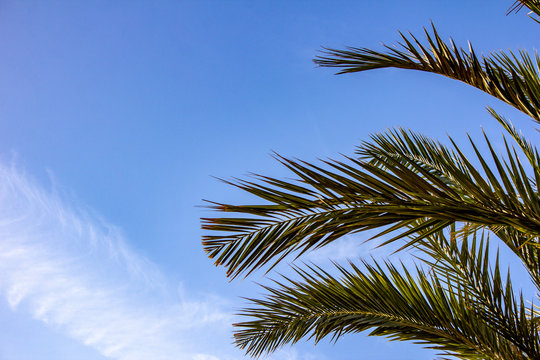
[
  {"x": 463, "y": 262},
  {"x": 510, "y": 78},
  {"x": 445, "y": 204},
  {"x": 528, "y": 149},
  {"x": 401, "y": 178},
  {"x": 532, "y": 5},
  {"x": 386, "y": 301},
  {"x": 424, "y": 153}
]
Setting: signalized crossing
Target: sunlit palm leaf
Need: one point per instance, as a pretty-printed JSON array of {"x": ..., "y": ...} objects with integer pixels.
[
  {"x": 519, "y": 244},
  {"x": 510, "y": 78},
  {"x": 464, "y": 264},
  {"x": 532, "y": 5},
  {"x": 387, "y": 301},
  {"x": 408, "y": 187},
  {"x": 402, "y": 178},
  {"x": 530, "y": 151}
]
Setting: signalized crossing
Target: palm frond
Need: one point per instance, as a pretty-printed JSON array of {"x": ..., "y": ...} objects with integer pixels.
[
  {"x": 402, "y": 178},
  {"x": 464, "y": 262},
  {"x": 529, "y": 255},
  {"x": 530, "y": 151},
  {"x": 532, "y": 5},
  {"x": 425, "y": 153},
  {"x": 387, "y": 301},
  {"x": 511, "y": 78},
  {"x": 442, "y": 203}
]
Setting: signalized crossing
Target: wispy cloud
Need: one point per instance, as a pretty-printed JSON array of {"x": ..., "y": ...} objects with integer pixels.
[
  {"x": 351, "y": 247},
  {"x": 76, "y": 272}
]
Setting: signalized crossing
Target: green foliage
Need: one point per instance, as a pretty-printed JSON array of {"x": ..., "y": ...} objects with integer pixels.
[{"x": 434, "y": 199}]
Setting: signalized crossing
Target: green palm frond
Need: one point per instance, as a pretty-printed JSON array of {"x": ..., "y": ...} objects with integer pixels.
[
  {"x": 402, "y": 178},
  {"x": 529, "y": 150},
  {"x": 464, "y": 262},
  {"x": 442, "y": 204},
  {"x": 520, "y": 245},
  {"x": 423, "y": 152},
  {"x": 387, "y": 301},
  {"x": 511, "y": 78},
  {"x": 532, "y": 5}
]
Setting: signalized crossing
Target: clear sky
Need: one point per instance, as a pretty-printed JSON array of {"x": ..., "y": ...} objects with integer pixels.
[{"x": 115, "y": 115}]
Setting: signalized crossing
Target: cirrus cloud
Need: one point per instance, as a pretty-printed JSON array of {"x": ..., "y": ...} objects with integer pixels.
[{"x": 75, "y": 272}]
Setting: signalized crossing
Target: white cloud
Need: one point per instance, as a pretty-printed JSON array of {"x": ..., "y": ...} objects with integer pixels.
[
  {"x": 289, "y": 353},
  {"x": 352, "y": 247},
  {"x": 76, "y": 273}
]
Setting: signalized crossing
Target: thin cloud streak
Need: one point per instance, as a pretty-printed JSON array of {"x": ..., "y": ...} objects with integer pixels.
[
  {"x": 351, "y": 247},
  {"x": 76, "y": 273}
]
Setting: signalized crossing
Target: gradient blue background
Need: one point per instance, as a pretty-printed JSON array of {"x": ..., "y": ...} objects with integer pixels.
[{"x": 133, "y": 106}]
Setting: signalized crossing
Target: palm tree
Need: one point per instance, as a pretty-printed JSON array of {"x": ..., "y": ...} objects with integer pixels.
[{"x": 434, "y": 199}]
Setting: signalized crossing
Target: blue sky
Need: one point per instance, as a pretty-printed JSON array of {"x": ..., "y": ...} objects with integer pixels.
[{"x": 114, "y": 116}]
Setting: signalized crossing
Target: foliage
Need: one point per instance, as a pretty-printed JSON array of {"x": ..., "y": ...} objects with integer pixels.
[{"x": 433, "y": 198}]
